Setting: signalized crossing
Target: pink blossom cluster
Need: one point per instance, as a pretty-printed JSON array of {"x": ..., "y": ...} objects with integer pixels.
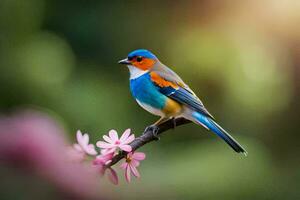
[{"x": 110, "y": 147}]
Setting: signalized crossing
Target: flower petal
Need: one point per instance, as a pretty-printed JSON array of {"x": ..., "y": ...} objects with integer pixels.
[
  {"x": 124, "y": 165},
  {"x": 85, "y": 139},
  {"x": 134, "y": 163},
  {"x": 129, "y": 139},
  {"x": 113, "y": 135},
  {"x": 107, "y": 157},
  {"x": 107, "y": 139},
  {"x": 134, "y": 171},
  {"x": 127, "y": 174},
  {"x": 102, "y": 160},
  {"x": 108, "y": 151},
  {"x": 98, "y": 161},
  {"x": 125, "y": 147},
  {"x": 79, "y": 136},
  {"x": 125, "y": 135},
  {"x": 90, "y": 149},
  {"x": 101, "y": 169},
  {"x": 104, "y": 145},
  {"x": 138, "y": 156},
  {"x": 77, "y": 147},
  {"x": 112, "y": 176}
]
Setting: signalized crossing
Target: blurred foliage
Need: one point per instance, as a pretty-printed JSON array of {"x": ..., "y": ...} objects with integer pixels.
[{"x": 61, "y": 56}]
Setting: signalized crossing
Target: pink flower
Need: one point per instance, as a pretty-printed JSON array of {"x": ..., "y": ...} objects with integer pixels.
[
  {"x": 112, "y": 176},
  {"x": 83, "y": 145},
  {"x": 36, "y": 145},
  {"x": 112, "y": 142},
  {"x": 107, "y": 151},
  {"x": 100, "y": 163},
  {"x": 103, "y": 159},
  {"x": 131, "y": 163}
]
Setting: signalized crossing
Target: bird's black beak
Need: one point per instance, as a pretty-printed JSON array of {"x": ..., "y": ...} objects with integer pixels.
[{"x": 124, "y": 62}]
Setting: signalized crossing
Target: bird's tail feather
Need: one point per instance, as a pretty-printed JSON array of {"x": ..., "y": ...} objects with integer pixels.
[{"x": 218, "y": 130}]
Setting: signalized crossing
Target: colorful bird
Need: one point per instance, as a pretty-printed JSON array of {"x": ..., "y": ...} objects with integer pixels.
[{"x": 160, "y": 91}]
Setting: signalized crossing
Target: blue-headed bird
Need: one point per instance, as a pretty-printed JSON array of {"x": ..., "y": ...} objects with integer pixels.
[{"x": 160, "y": 91}]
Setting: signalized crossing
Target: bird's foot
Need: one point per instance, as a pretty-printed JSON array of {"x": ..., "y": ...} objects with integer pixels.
[{"x": 154, "y": 129}]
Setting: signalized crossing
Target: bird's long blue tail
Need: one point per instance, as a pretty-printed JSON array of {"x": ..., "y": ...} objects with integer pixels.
[{"x": 217, "y": 129}]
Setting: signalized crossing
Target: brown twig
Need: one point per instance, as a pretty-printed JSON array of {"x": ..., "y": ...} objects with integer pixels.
[{"x": 147, "y": 137}]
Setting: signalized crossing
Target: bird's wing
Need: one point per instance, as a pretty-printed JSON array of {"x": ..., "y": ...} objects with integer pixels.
[
  {"x": 167, "y": 74},
  {"x": 171, "y": 85}
]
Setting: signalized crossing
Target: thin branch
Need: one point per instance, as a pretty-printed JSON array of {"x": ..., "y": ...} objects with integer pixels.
[{"x": 147, "y": 136}]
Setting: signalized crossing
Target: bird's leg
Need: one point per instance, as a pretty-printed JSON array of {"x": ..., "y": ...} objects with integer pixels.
[
  {"x": 174, "y": 122},
  {"x": 154, "y": 127}
]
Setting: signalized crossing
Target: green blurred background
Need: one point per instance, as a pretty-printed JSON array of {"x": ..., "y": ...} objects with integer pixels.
[{"x": 242, "y": 58}]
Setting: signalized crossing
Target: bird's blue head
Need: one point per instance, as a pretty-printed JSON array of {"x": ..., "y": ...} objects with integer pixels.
[{"x": 141, "y": 58}]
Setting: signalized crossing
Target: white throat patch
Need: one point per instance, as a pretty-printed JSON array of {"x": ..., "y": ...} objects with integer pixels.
[{"x": 136, "y": 72}]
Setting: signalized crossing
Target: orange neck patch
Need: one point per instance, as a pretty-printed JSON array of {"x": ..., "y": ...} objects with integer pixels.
[{"x": 145, "y": 64}]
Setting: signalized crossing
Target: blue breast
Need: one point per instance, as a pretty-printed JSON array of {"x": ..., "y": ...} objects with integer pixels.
[{"x": 146, "y": 92}]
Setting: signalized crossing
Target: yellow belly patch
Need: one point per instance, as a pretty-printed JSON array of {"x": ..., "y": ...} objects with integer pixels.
[{"x": 172, "y": 108}]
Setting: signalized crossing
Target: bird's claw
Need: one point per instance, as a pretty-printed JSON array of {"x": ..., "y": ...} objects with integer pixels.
[{"x": 154, "y": 129}]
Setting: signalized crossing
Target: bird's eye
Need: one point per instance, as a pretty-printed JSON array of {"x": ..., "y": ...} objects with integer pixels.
[{"x": 139, "y": 58}]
